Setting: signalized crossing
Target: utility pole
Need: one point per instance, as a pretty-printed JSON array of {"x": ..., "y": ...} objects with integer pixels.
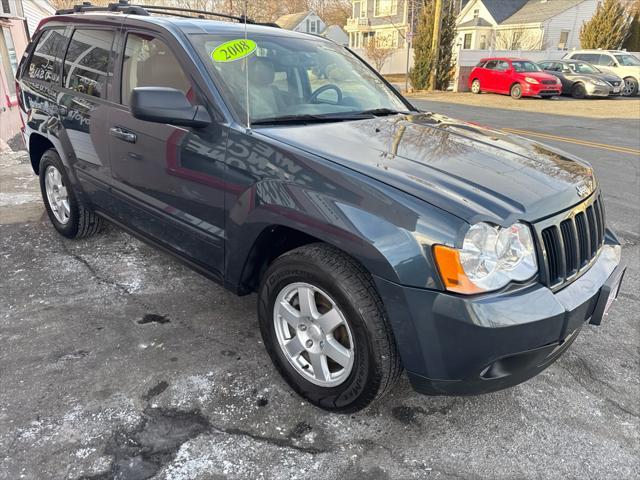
[
  {"x": 409, "y": 41},
  {"x": 435, "y": 43}
]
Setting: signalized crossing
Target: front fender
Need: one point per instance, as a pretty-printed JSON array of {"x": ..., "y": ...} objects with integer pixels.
[{"x": 388, "y": 231}]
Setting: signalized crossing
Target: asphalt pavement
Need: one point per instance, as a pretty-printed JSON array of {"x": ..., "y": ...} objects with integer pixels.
[{"x": 117, "y": 361}]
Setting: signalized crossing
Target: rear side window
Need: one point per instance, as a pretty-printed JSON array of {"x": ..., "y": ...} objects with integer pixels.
[
  {"x": 45, "y": 63},
  {"x": 148, "y": 62},
  {"x": 86, "y": 65},
  {"x": 587, "y": 57}
]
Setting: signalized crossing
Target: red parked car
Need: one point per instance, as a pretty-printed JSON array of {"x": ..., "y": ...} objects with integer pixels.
[{"x": 513, "y": 76}]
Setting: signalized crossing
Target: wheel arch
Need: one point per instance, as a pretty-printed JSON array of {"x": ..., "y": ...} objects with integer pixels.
[{"x": 38, "y": 144}]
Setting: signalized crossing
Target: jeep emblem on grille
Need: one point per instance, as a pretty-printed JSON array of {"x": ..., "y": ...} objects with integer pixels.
[{"x": 583, "y": 189}]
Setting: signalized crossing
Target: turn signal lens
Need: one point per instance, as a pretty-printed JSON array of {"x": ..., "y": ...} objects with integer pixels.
[{"x": 451, "y": 271}]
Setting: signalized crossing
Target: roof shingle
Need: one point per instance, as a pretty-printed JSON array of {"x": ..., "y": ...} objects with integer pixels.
[{"x": 536, "y": 11}]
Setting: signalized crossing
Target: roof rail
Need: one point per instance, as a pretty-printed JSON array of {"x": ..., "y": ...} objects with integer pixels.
[{"x": 125, "y": 7}]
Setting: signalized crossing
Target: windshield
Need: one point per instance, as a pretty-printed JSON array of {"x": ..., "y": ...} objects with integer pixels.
[
  {"x": 627, "y": 60},
  {"x": 580, "y": 67},
  {"x": 295, "y": 77},
  {"x": 525, "y": 67}
]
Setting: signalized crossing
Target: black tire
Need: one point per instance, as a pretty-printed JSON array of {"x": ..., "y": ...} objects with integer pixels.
[
  {"x": 629, "y": 87},
  {"x": 475, "y": 86},
  {"x": 578, "y": 91},
  {"x": 516, "y": 91},
  {"x": 82, "y": 222},
  {"x": 376, "y": 364}
]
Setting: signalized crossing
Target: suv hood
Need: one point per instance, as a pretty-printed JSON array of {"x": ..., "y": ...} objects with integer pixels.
[{"x": 472, "y": 172}]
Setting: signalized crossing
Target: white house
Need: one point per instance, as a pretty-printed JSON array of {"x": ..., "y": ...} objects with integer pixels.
[
  {"x": 522, "y": 24},
  {"x": 306, "y": 22},
  {"x": 36, "y": 10}
]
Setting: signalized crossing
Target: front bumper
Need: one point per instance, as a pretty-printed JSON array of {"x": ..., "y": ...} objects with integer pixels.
[
  {"x": 600, "y": 90},
  {"x": 456, "y": 345},
  {"x": 539, "y": 89}
]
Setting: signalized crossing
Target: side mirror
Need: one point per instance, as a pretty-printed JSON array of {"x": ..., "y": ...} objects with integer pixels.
[{"x": 167, "y": 105}]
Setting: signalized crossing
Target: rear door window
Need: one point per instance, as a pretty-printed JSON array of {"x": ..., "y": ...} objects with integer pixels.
[
  {"x": 45, "y": 61},
  {"x": 86, "y": 64},
  {"x": 148, "y": 62},
  {"x": 587, "y": 57}
]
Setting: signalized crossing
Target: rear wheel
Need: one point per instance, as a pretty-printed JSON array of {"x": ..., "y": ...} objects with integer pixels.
[
  {"x": 475, "y": 86},
  {"x": 325, "y": 328},
  {"x": 578, "y": 91},
  {"x": 516, "y": 91},
  {"x": 630, "y": 87},
  {"x": 68, "y": 213}
]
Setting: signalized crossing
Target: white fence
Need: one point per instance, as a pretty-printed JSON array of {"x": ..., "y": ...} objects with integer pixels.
[{"x": 396, "y": 63}]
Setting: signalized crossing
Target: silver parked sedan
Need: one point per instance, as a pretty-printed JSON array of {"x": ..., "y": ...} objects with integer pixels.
[{"x": 581, "y": 79}]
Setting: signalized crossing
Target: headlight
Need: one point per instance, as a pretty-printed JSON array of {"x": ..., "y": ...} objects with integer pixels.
[
  {"x": 530, "y": 80},
  {"x": 490, "y": 258},
  {"x": 595, "y": 81}
]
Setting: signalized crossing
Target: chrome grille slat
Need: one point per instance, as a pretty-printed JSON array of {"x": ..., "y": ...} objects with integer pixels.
[{"x": 570, "y": 242}]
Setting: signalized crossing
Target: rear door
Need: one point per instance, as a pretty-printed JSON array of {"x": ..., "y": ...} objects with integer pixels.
[
  {"x": 83, "y": 108},
  {"x": 168, "y": 180}
]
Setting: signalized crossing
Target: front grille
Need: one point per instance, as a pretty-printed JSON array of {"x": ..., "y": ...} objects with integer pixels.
[
  {"x": 571, "y": 242},
  {"x": 548, "y": 82}
]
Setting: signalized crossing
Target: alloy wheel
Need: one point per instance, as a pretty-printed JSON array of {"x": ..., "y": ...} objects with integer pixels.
[
  {"x": 57, "y": 194},
  {"x": 629, "y": 87},
  {"x": 313, "y": 334}
]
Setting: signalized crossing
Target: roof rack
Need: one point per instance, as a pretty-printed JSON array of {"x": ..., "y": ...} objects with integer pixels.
[{"x": 124, "y": 6}]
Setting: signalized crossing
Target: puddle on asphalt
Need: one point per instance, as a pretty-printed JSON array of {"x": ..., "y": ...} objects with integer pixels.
[
  {"x": 153, "y": 318},
  {"x": 141, "y": 453}
]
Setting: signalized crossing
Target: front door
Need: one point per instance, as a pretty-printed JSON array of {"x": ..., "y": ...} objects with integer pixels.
[{"x": 168, "y": 180}]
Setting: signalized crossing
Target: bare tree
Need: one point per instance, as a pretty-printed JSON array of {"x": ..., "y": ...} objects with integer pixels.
[
  {"x": 519, "y": 39},
  {"x": 376, "y": 53}
]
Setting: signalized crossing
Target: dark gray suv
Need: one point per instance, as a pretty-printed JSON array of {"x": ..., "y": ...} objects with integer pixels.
[{"x": 376, "y": 236}]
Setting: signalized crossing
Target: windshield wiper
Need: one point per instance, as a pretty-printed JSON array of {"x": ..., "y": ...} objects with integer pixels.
[
  {"x": 301, "y": 119},
  {"x": 381, "y": 112}
]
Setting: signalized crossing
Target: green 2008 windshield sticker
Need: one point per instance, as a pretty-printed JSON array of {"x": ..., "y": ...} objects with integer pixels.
[{"x": 233, "y": 50}]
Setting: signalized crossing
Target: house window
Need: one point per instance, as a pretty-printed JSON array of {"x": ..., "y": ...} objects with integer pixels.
[
  {"x": 483, "y": 42},
  {"x": 564, "y": 37},
  {"x": 311, "y": 26},
  {"x": 357, "y": 6},
  {"x": 385, "y": 8},
  {"x": 466, "y": 45},
  {"x": 476, "y": 13},
  {"x": 6, "y": 7},
  {"x": 308, "y": 29},
  {"x": 9, "y": 59}
]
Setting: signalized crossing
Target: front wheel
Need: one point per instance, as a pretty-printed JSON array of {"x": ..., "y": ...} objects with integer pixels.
[
  {"x": 516, "y": 91},
  {"x": 630, "y": 87},
  {"x": 475, "y": 86},
  {"x": 326, "y": 330},
  {"x": 578, "y": 91}
]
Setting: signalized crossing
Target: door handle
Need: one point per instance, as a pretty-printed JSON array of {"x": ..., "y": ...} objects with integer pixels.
[{"x": 123, "y": 134}]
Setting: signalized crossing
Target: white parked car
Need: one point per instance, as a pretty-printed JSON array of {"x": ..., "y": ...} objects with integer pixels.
[{"x": 618, "y": 62}]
